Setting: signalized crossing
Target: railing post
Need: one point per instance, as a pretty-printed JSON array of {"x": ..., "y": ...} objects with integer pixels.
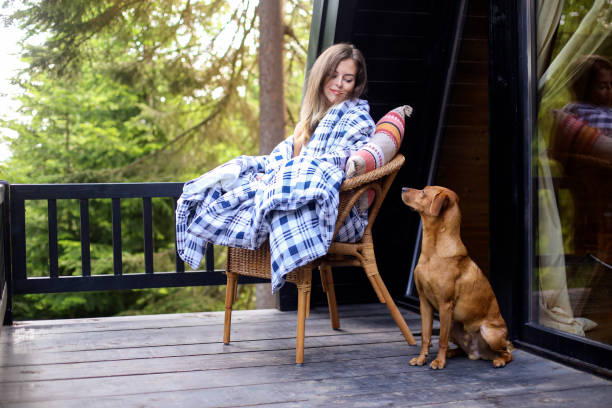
[{"x": 6, "y": 293}]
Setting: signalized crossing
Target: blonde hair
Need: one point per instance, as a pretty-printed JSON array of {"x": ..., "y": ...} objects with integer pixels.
[{"x": 315, "y": 103}]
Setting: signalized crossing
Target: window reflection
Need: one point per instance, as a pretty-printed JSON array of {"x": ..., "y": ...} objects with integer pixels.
[{"x": 572, "y": 283}]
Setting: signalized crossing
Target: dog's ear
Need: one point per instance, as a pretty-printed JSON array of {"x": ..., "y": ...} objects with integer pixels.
[{"x": 438, "y": 204}]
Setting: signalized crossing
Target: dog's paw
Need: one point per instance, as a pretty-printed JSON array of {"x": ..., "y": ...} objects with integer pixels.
[
  {"x": 420, "y": 360},
  {"x": 437, "y": 364},
  {"x": 499, "y": 362},
  {"x": 502, "y": 360}
]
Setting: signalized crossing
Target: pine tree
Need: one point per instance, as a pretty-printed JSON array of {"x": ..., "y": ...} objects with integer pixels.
[{"x": 136, "y": 90}]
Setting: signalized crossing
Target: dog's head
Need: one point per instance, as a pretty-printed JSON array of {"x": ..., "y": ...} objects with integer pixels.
[{"x": 430, "y": 201}]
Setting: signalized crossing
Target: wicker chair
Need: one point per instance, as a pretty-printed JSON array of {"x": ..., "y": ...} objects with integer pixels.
[{"x": 257, "y": 263}]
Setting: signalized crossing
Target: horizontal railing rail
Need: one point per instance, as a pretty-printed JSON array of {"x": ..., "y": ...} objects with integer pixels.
[{"x": 21, "y": 283}]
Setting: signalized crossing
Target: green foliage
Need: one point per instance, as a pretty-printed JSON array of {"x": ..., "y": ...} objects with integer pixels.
[
  {"x": 72, "y": 305},
  {"x": 125, "y": 303},
  {"x": 572, "y": 14},
  {"x": 141, "y": 90},
  {"x": 190, "y": 299},
  {"x": 555, "y": 94}
]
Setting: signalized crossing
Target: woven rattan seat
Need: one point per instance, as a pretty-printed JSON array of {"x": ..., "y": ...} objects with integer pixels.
[{"x": 257, "y": 262}]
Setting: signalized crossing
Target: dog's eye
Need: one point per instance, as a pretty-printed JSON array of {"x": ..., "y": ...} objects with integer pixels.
[{"x": 422, "y": 193}]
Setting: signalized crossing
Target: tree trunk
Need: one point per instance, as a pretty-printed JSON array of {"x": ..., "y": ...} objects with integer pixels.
[
  {"x": 271, "y": 99},
  {"x": 271, "y": 78}
]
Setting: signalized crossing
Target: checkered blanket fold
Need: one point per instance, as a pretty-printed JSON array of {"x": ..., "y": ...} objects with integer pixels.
[
  {"x": 291, "y": 201},
  {"x": 599, "y": 117}
]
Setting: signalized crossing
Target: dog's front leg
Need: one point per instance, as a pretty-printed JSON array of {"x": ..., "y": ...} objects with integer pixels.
[
  {"x": 426, "y": 326},
  {"x": 446, "y": 316}
]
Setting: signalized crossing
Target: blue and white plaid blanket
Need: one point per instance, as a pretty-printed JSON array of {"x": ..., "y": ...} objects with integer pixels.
[
  {"x": 291, "y": 201},
  {"x": 596, "y": 116}
]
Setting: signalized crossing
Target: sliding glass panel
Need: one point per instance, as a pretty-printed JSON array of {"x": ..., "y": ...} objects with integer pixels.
[{"x": 572, "y": 274}]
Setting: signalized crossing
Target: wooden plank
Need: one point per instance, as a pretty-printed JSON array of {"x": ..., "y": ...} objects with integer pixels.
[
  {"x": 365, "y": 364},
  {"x": 588, "y": 397},
  {"x": 181, "y": 335},
  {"x": 394, "y": 6},
  {"x": 131, "y": 330},
  {"x": 361, "y": 323},
  {"x": 394, "y": 69},
  {"x": 475, "y": 72},
  {"x": 479, "y": 8},
  {"x": 396, "y": 22},
  {"x": 467, "y": 116},
  {"x": 378, "y": 91},
  {"x": 221, "y": 360},
  {"x": 381, "y": 47},
  {"x": 396, "y": 396},
  {"x": 277, "y": 383},
  {"x": 469, "y": 94},
  {"x": 476, "y": 26},
  {"x": 192, "y": 319},
  {"x": 335, "y": 338},
  {"x": 466, "y": 140},
  {"x": 474, "y": 49}
]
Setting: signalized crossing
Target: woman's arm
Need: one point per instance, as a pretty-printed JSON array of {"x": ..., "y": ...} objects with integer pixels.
[{"x": 353, "y": 130}]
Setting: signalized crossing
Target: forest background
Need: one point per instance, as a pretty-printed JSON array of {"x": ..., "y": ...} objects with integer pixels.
[{"x": 135, "y": 91}]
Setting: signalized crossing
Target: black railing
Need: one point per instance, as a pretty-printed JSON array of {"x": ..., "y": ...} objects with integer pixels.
[
  {"x": 5, "y": 257},
  {"x": 15, "y": 272}
]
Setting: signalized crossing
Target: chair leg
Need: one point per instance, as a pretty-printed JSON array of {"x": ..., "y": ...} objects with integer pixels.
[
  {"x": 374, "y": 282},
  {"x": 230, "y": 297},
  {"x": 301, "y": 324},
  {"x": 395, "y": 313},
  {"x": 327, "y": 281},
  {"x": 368, "y": 262},
  {"x": 304, "y": 285}
]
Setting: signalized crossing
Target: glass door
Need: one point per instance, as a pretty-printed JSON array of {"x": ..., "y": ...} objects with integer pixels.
[{"x": 571, "y": 282}]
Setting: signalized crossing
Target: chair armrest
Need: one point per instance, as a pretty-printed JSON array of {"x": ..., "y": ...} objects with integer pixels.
[
  {"x": 354, "y": 182},
  {"x": 376, "y": 180}
]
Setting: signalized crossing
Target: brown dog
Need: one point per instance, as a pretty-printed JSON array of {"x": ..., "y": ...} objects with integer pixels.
[{"x": 448, "y": 280}]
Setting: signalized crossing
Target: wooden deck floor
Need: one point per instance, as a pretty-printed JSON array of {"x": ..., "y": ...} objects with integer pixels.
[{"x": 179, "y": 361}]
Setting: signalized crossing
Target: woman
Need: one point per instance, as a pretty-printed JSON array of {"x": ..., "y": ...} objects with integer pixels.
[
  {"x": 291, "y": 195},
  {"x": 592, "y": 92},
  {"x": 338, "y": 74}
]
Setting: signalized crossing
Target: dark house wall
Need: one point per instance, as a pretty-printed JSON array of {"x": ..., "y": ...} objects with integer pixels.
[
  {"x": 410, "y": 49},
  {"x": 464, "y": 159},
  {"x": 406, "y": 45}
]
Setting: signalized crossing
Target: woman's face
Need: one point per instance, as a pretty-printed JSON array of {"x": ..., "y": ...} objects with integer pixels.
[
  {"x": 601, "y": 92},
  {"x": 341, "y": 82}
]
